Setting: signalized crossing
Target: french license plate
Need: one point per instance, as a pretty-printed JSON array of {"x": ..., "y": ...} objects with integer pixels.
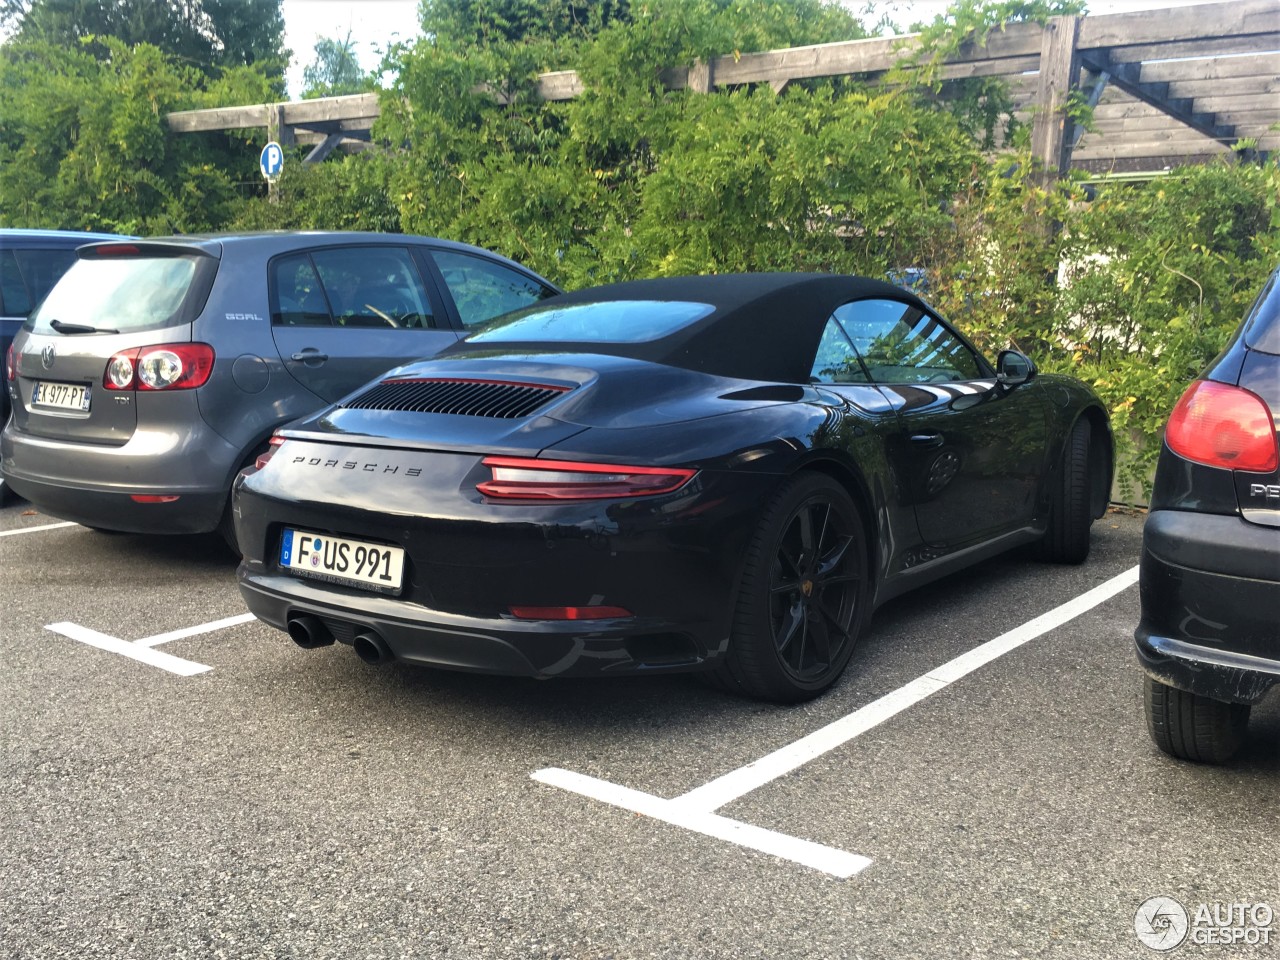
[
  {"x": 63, "y": 396},
  {"x": 374, "y": 566}
]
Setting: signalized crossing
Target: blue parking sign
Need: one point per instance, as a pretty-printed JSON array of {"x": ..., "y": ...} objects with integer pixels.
[{"x": 271, "y": 161}]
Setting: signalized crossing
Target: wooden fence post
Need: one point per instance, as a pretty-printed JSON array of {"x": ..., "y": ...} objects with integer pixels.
[{"x": 1051, "y": 133}]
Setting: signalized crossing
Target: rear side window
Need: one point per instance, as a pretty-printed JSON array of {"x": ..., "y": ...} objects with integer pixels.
[
  {"x": 350, "y": 287},
  {"x": 27, "y": 275},
  {"x": 482, "y": 289},
  {"x": 127, "y": 294},
  {"x": 1263, "y": 330}
]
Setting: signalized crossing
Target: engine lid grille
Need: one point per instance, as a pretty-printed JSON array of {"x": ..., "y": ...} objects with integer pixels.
[{"x": 500, "y": 399}]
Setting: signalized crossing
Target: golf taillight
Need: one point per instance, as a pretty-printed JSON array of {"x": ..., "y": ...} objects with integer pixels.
[
  {"x": 268, "y": 453},
  {"x": 1221, "y": 425},
  {"x": 517, "y": 478},
  {"x": 166, "y": 366}
]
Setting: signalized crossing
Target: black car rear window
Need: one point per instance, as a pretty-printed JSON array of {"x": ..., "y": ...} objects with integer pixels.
[
  {"x": 125, "y": 294},
  {"x": 608, "y": 321},
  {"x": 1263, "y": 329}
]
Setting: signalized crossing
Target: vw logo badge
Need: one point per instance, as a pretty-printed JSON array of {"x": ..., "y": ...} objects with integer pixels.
[{"x": 47, "y": 356}]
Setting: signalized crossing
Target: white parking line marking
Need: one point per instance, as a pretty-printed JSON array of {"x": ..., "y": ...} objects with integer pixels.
[
  {"x": 742, "y": 781},
  {"x": 694, "y": 810},
  {"x": 195, "y": 631},
  {"x": 155, "y": 658},
  {"x": 827, "y": 859},
  {"x": 143, "y": 650},
  {"x": 43, "y": 526}
]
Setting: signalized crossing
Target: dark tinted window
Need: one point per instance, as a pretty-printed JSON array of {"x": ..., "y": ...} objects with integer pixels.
[
  {"x": 350, "y": 287},
  {"x": 900, "y": 343},
  {"x": 482, "y": 289},
  {"x": 121, "y": 293},
  {"x": 13, "y": 292},
  {"x": 1263, "y": 331},
  {"x": 610, "y": 321}
]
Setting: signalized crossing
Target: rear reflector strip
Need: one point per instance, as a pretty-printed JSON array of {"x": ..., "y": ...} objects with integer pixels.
[
  {"x": 152, "y": 498},
  {"x": 570, "y": 613}
]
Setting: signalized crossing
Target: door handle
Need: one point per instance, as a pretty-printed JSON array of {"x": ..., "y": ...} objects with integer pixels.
[
  {"x": 310, "y": 355},
  {"x": 927, "y": 439}
]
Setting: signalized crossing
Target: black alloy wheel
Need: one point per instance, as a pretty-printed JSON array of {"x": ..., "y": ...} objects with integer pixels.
[{"x": 804, "y": 594}]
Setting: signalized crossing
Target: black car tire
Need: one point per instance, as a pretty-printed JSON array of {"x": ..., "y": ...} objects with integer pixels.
[
  {"x": 791, "y": 568},
  {"x": 1191, "y": 727},
  {"x": 1067, "y": 538}
]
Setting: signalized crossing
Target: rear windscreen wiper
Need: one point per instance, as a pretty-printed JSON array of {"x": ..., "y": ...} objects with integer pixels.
[{"x": 77, "y": 328}]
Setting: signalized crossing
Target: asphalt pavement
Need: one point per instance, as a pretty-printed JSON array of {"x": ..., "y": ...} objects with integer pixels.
[{"x": 302, "y": 804}]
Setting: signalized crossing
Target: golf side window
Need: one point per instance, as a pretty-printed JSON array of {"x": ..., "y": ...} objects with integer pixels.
[
  {"x": 901, "y": 343},
  {"x": 482, "y": 289},
  {"x": 375, "y": 287}
]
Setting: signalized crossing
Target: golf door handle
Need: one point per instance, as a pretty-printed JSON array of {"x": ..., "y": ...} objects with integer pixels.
[
  {"x": 310, "y": 355},
  {"x": 926, "y": 439}
]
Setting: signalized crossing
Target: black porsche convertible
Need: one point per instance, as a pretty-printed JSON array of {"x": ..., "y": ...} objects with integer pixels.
[{"x": 723, "y": 473}]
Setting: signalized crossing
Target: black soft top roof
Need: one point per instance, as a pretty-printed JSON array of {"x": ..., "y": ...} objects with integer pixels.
[{"x": 765, "y": 326}]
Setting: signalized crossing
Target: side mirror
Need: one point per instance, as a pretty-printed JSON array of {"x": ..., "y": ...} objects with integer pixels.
[{"x": 1014, "y": 369}]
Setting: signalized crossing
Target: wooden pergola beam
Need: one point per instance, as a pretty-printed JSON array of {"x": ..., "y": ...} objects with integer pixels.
[{"x": 1128, "y": 77}]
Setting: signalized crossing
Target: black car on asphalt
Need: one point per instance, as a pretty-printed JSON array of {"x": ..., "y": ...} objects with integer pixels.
[
  {"x": 722, "y": 473},
  {"x": 1209, "y": 637},
  {"x": 156, "y": 369}
]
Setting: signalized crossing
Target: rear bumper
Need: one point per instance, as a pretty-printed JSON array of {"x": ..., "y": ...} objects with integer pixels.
[
  {"x": 1210, "y": 589},
  {"x": 480, "y": 645},
  {"x": 94, "y": 484}
]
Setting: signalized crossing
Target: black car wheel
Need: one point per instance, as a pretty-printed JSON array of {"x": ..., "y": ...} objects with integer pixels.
[
  {"x": 803, "y": 596},
  {"x": 1191, "y": 727},
  {"x": 1067, "y": 538}
]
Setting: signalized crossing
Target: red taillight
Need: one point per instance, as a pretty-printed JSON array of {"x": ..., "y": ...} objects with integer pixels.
[
  {"x": 10, "y": 364},
  {"x": 569, "y": 613},
  {"x": 166, "y": 366},
  {"x": 267, "y": 454},
  {"x": 1223, "y": 426},
  {"x": 516, "y": 478}
]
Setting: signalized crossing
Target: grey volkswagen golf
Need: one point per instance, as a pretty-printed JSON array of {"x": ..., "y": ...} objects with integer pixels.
[{"x": 156, "y": 369}]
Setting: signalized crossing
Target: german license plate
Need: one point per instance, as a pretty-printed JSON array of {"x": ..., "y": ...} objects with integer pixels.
[
  {"x": 63, "y": 396},
  {"x": 374, "y": 566}
]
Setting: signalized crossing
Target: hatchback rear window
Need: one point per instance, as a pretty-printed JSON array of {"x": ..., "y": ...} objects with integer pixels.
[
  {"x": 611, "y": 321},
  {"x": 126, "y": 294}
]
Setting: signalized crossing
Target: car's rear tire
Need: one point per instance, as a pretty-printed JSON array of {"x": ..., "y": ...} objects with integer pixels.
[
  {"x": 803, "y": 598},
  {"x": 1066, "y": 540},
  {"x": 1191, "y": 727}
]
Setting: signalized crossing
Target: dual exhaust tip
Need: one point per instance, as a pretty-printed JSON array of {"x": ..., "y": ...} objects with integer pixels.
[{"x": 309, "y": 632}]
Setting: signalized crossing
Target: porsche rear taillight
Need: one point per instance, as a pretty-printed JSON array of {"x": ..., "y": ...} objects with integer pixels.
[
  {"x": 1221, "y": 425},
  {"x": 166, "y": 366},
  {"x": 263, "y": 458},
  {"x": 517, "y": 478}
]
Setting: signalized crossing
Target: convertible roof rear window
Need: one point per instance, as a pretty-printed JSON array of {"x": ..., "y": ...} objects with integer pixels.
[{"x": 608, "y": 321}]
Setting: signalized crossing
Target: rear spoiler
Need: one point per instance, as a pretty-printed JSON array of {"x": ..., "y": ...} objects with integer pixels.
[{"x": 115, "y": 249}]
